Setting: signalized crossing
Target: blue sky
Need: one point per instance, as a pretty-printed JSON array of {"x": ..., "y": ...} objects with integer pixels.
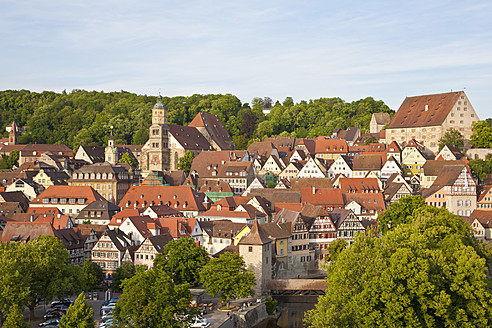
[{"x": 303, "y": 49}]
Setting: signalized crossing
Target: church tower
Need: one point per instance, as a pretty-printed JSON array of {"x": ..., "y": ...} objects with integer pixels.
[
  {"x": 111, "y": 151},
  {"x": 155, "y": 152},
  {"x": 13, "y": 134}
]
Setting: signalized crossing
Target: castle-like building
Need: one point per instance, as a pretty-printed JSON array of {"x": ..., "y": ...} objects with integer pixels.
[{"x": 167, "y": 142}]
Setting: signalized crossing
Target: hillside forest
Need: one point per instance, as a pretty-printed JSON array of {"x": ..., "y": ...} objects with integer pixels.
[{"x": 85, "y": 117}]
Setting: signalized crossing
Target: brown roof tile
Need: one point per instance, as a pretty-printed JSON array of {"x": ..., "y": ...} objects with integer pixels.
[{"x": 426, "y": 110}]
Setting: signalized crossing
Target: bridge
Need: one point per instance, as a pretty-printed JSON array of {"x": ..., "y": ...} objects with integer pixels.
[{"x": 296, "y": 287}]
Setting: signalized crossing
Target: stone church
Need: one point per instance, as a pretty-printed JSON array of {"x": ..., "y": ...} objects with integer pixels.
[{"x": 167, "y": 142}]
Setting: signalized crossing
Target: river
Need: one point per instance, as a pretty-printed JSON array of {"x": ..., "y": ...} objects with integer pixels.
[{"x": 291, "y": 316}]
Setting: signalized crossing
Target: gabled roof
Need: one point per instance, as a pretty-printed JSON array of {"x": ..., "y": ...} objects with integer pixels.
[
  {"x": 298, "y": 183},
  {"x": 78, "y": 192},
  {"x": 381, "y": 118},
  {"x": 274, "y": 196},
  {"x": 322, "y": 196},
  {"x": 165, "y": 211},
  {"x": 367, "y": 162},
  {"x": 484, "y": 217},
  {"x": 426, "y": 110},
  {"x": 70, "y": 238},
  {"x": 215, "y": 128},
  {"x": 393, "y": 147},
  {"x": 284, "y": 142},
  {"x": 286, "y": 215},
  {"x": 296, "y": 207},
  {"x": 15, "y": 197},
  {"x": 261, "y": 148},
  {"x": 393, "y": 188},
  {"x": 433, "y": 167},
  {"x": 25, "y": 231},
  {"x": 189, "y": 137},
  {"x": 159, "y": 241},
  {"x": 339, "y": 215},
  {"x": 102, "y": 205},
  {"x": 38, "y": 149},
  {"x": 117, "y": 237},
  {"x": 180, "y": 198},
  {"x": 174, "y": 226},
  {"x": 257, "y": 236},
  {"x": 95, "y": 153},
  {"x": 359, "y": 185},
  {"x": 208, "y": 161},
  {"x": 368, "y": 201},
  {"x": 350, "y": 134},
  {"x": 57, "y": 221},
  {"x": 447, "y": 177},
  {"x": 275, "y": 231},
  {"x": 485, "y": 191},
  {"x": 334, "y": 146}
]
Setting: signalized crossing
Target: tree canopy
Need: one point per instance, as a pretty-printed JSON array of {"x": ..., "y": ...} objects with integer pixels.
[
  {"x": 428, "y": 272},
  {"x": 49, "y": 272},
  {"x": 79, "y": 315},
  {"x": 184, "y": 163},
  {"x": 228, "y": 277},
  {"x": 150, "y": 299},
  {"x": 453, "y": 138},
  {"x": 125, "y": 271},
  {"x": 93, "y": 275},
  {"x": 481, "y": 168},
  {"x": 482, "y": 134},
  {"x": 126, "y": 158},
  {"x": 399, "y": 212},
  {"x": 182, "y": 259},
  {"x": 85, "y": 117},
  {"x": 15, "y": 318}
]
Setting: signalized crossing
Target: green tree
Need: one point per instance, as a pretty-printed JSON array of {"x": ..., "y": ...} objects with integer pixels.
[
  {"x": 453, "y": 138},
  {"x": 182, "y": 259},
  {"x": 227, "y": 276},
  {"x": 15, "y": 318},
  {"x": 184, "y": 163},
  {"x": 13, "y": 158},
  {"x": 48, "y": 271},
  {"x": 93, "y": 275},
  {"x": 78, "y": 315},
  {"x": 335, "y": 248},
  {"x": 369, "y": 141},
  {"x": 14, "y": 285},
  {"x": 482, "y": 135},
  {"x": 425, "y": 273},
  {"x": 151, "y": 299},
  {"x": 126, "y": 158},
  {"x": 125, "y": 271},
  {"x": 400, "y": 212}
]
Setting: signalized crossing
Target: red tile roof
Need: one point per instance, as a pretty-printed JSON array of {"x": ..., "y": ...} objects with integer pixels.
[
  {"x": 331, "y": 146},
  {"x": 426, "y": 110},
  {"x": 215, "y": 128},
  {"x": 351, "y": 185},
  {"x": 78, "y": 192},
  {"x": 177, "y": 197},
  {"x": 323, "y": 196}
]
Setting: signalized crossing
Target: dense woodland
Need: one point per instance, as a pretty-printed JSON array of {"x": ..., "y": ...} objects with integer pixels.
[{"x": 85, "y": 117}]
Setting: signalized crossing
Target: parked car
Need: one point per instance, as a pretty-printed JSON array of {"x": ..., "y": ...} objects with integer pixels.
[
  {"x": 48, "y": 322},
  {"x": 200, "y": 322},
  {"x": 53, "y": 314},
  {"x": 65, "y": 302}
]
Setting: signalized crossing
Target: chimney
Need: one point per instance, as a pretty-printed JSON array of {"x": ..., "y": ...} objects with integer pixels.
[
  {"x": 31, "y": 218},
  {"x": 314, "y": 190},
  {"x": 426, "y": 108}
]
